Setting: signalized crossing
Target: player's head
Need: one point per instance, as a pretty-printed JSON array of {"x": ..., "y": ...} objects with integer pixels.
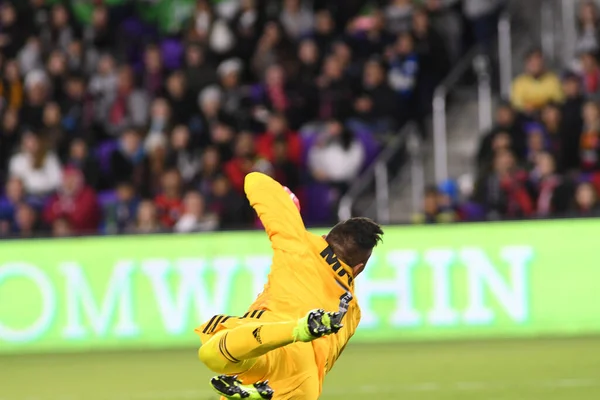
[{"x": 353, "y": 241}]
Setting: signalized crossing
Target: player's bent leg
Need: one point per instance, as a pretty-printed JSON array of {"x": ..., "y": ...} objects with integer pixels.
[
  {"x": 250, "y": 341},
  {"x": 237, "y": 350},
  {"x": 212, "y": 355}
]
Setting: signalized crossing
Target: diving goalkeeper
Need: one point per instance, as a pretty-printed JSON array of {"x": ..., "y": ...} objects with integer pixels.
[{"x": 285, "y": 344}]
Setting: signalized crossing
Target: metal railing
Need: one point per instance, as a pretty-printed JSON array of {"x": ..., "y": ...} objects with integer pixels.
[
  {"x": 479, "y": 61},
  {"x": 378, "y": 174},
  {"x": 505, "y": 59},
  {"x": 569, "y": 29},
  {"x": 548, "y": 30}
]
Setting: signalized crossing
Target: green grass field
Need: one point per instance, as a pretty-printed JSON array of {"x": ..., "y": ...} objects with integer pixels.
[{"x": 515, "y": 370}]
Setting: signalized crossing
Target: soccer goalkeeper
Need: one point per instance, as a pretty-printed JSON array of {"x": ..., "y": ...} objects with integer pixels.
[{"x": 285, "y": 344}]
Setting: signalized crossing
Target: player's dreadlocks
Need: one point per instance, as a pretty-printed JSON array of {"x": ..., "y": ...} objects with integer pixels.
[{"x": 353, "y": 240}]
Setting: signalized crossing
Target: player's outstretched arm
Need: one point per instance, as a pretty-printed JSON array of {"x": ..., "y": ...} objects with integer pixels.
[{"x": 276, "y": 210}]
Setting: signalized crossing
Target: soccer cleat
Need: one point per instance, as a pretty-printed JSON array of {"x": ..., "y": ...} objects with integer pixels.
[
  {"x": 232, "y": 388},
  {"x": 316, "y": 324}
]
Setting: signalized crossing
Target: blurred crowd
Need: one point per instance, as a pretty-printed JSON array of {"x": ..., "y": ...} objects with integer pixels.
[
  {"x": 144, "y": 116},
  {"x": 542, "y": 158}
]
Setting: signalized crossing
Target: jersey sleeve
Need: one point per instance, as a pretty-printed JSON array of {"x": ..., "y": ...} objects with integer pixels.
[{"x": 276, "y": 211}]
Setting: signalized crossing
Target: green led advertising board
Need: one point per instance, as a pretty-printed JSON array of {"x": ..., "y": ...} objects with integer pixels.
[{"x": 441, "y": 282}]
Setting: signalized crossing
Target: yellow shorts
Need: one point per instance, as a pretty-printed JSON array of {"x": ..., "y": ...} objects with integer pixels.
[{"x": 291, "y": 370}]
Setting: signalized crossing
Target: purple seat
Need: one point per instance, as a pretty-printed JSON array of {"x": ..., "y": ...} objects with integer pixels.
[
  {"x": 257, "y": 92},
  {"x": 472, "y": 212},
  {"x": 104, "y": 152},
  {"x": 371, "y": 146},
  {"x": 106, "y": 198},
  {"x": 317, "y": 205},
  {"x": 172, "y": 53},
  {"x": 134, "y": 35},
  {"x": 133, "y": 27},
  {"x": 308, "y": 141}
]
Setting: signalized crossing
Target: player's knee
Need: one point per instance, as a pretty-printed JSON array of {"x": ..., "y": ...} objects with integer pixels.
[{"x": 212, "y": 359}]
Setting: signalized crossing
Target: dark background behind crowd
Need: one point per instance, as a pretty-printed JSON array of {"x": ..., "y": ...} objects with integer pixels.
[{"x": 139, "y": 117}]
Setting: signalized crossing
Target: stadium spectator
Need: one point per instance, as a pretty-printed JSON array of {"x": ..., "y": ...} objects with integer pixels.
[
  {"x": 284, "y": 170},
  {"x": 103, "y": 88},
  {"x": 572, "y": 121},
  {"x": 198, "y": 72},
  {"x": 11, "y": 86},
  {"x": 75, "y": 108},
  {"x": 590, "y": 75},
  {"x": 482, "y": 16},
  {"x": 275, "y": 95},
  {"x": 324, "y": 32},
  {"x": 9, "y": 138},
  {"x": 502, "y": 192},
  {"x": 537, "y": 142},
  {"x": 37, "y": 93},
  {"x": 398, "y": 16},
  {"x": 296, "y": 19},
  {"x": 147, "y": 219},
  {"x": 194, "y": 217},
  {"x": 37, "y": 166},
  {"x": 588, "y": 40},
  {"x": 100, "y": 35},
  {"x": 231, "y": 208},
  {"x": 153, "y": 75},
  {"x": 14, "y": 194},
  {"x": 403, "y": 76},
  {"x": 585, "y": 204},
  {"x": 435, "y": 61},
  {"x": 168, "y": 203},
  {"x": 433, "y": 212},
  {"x": 507, "y": 133},
  {"x": 128, "y": 107},
  {"x": 60, "y": 30},
  {"x": 589, "y": 145},
  {"x": 183, "y": 155},
  {"x": 338, "y": 157},
  {"x": 182, "y": 106},
  {"x": 551, "y": 118},
  {"x": 308, "y": 63},
  {"x": 129, "y": 163},
  {"x": 334, "y": 90},
  {"x": 551, "y": 193},
  {"x": 368, "y": 36},
  {"x": 79, "y": 157},
  {"x": 120, "y": 214},
  {"x": 27, "y": 222},
  {"x": 75, "y": 202},
  {"x": 272, "y": 47},
  {"x": 243, "y": 162},
  {"x": 12, "y": 34},
  {"x": 62, "y": 228},
  {"x": 448, "y": 21},
  {"x": 376, "y": 103},
  {"x": 278, "y": 130},
  {"x": 160, "y": 121},
  {"x": 210, "y": 168},
  {"x": 536, "y": 87}
]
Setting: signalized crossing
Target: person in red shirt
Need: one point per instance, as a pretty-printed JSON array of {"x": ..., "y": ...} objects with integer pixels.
[
  {"x": 590, "y": 74},
  {"x": 75, "y": 202},
  {"x": 503, "y": 192},
  {"x": 277, "y": 129},
  {"x": 169, "y": 203},
  {"x": 243, "y": 162}
]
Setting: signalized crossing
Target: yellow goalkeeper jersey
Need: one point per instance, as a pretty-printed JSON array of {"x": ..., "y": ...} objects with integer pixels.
[{"x": 305, "y": 272}]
